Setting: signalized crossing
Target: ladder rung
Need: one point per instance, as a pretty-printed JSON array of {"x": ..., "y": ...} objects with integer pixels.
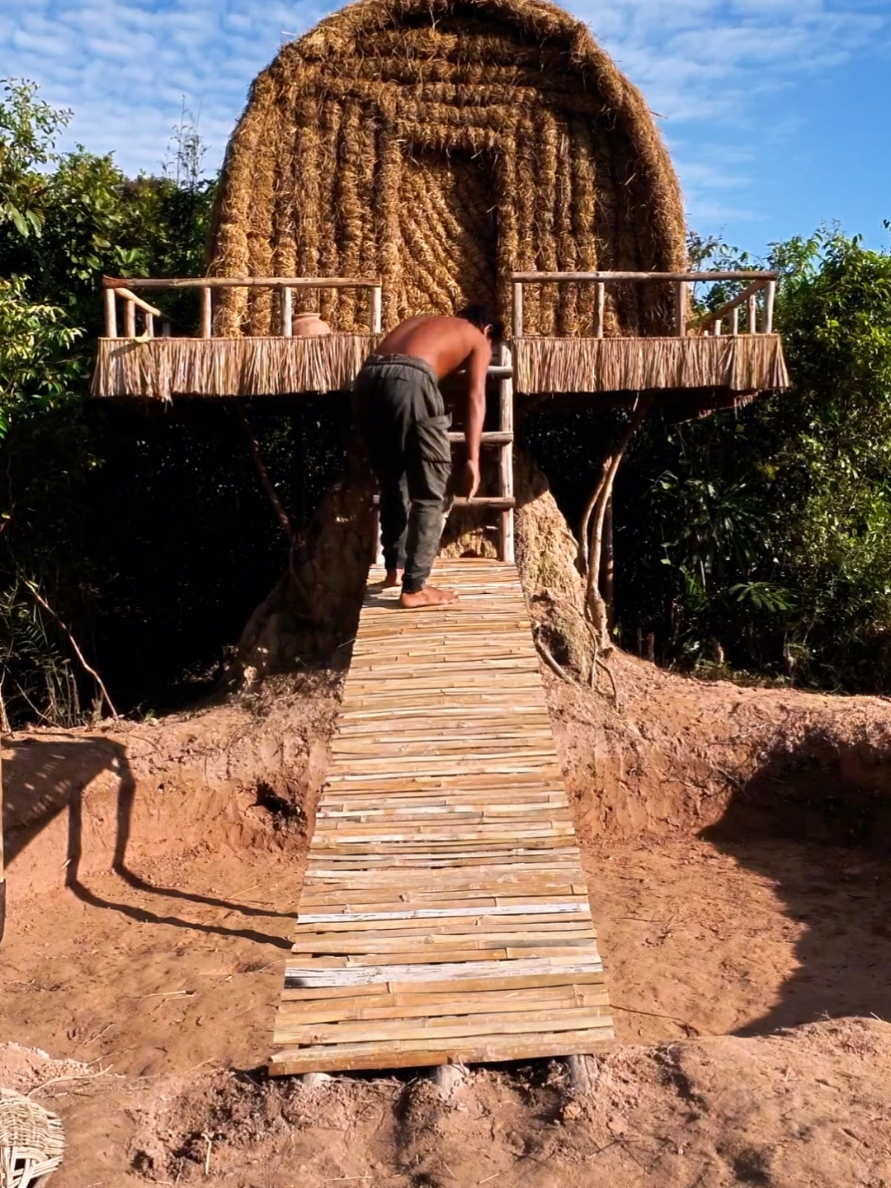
[
  {"x": 487, "y": 439},
  {"x": 493, "y": 371},
  {"x": 498, "y": 501}
]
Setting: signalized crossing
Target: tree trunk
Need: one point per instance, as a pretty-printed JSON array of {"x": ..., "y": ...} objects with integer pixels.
[{"x": 309, "y": 617}]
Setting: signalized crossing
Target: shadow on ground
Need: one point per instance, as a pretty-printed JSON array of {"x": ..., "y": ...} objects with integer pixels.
[
  {"x": 43, "y": 778},
  {"x": 816, "y": 822}
]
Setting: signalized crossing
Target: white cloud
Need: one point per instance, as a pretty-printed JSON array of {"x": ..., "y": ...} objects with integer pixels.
[{"x": 710, "y": 67}]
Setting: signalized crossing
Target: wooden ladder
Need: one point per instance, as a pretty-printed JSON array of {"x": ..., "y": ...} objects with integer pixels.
[{"x": 501, "y": 439}]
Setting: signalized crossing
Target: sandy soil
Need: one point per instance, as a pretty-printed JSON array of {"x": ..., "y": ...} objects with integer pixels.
[{"x": 733, "y": 845}]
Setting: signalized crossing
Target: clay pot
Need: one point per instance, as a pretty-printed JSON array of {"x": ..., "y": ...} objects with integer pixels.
[{"x": 308, "y": 325}]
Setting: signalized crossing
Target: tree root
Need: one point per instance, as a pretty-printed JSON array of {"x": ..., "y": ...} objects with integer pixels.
[{"x": 552, "y": 664}]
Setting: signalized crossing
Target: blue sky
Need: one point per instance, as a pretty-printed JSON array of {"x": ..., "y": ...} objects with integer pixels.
[{"x": 776, "y": 111}]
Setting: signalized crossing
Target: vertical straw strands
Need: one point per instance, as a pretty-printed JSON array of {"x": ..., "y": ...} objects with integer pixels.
[
  {"x": 160, "y": 368},
  {"x": 439, "y": 145},
  {"x": 747, "y": 363}
]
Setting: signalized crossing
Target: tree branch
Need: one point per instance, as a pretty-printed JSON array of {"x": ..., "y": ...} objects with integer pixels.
[
  {"x": 281, "y": 514},
  {"x": 74, "y": 644}
]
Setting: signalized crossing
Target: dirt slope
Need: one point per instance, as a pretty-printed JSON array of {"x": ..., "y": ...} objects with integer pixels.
[{"x": 734, "y": 843}]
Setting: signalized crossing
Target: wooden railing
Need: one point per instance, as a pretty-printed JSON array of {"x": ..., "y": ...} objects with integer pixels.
[
  {"x": 122, "y": 289},
  {"x": 712, "y": 322}
]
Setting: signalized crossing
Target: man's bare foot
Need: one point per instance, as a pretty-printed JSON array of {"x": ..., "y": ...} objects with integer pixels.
[
  {"x": 393, "y": 578},
  {"x": 429, "y": 596}
]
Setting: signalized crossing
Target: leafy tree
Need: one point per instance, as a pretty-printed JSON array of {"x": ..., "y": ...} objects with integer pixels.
[{"x": 767, "y": 530}]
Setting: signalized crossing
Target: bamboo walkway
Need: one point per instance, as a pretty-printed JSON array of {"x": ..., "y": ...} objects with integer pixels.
[{"x": 444, "y": 914}]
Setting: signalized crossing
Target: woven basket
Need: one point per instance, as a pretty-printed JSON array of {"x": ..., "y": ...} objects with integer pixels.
[{"x": 31, "y": 1141}]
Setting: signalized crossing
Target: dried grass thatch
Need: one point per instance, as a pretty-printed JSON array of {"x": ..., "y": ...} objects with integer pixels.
[
  {"x": 441, "y": 144},
  {"x": 739, "y": 363},
  {"x": 157, "y": 368}
]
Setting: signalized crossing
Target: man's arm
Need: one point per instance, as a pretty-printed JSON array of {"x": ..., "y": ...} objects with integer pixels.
[{"x": 477, "y": 367}]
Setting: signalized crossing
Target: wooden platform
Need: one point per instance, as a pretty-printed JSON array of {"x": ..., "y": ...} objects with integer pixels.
[{"x": 444, "y": 914}]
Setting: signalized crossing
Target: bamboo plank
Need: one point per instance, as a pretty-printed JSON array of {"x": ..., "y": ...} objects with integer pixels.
[
  {"x": 298, "y": 977},
  {"x": 445, "y": 1026},
  {"x": 340, "y": 903},
  {"x": 444, "y": 913},
  {"x": 418, "y": 1053},
  {"x": 295, "y": 1014},
  {"x": 416, "y": 990}
]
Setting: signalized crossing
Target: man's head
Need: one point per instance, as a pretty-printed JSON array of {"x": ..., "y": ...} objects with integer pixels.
[{"x": 478, "y": 315}]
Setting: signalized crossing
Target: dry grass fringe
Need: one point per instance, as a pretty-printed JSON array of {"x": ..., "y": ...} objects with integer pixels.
[
  {"x": 440, "y": 144},
  {"x": 745, "y": 363},
  {"x": 160, "y": 368}
]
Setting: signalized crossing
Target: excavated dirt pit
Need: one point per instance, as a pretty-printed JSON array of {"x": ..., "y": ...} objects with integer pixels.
[{"x": 155, "y": 869}]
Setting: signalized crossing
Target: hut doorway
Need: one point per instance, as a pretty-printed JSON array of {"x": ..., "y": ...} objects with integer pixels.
[{"x": 449, "y": 231}]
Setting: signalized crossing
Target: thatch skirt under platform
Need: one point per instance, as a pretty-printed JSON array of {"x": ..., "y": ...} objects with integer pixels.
[
  {"x": 159, "y": 368},
  {"x": 744, "y": 363}
]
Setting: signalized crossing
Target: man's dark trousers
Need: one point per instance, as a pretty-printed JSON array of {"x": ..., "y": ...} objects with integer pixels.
[{"x": 404, "y": 424}]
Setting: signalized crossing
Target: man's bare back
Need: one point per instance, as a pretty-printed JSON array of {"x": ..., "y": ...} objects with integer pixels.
[
  {"x": 446, "y": 344},
  {"x": 443, "y": 342}
]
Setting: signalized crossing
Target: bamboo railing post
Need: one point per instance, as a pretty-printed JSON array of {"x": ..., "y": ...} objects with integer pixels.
[
  {"x": 111, "y": 314},
  {"x": 734, "y": 321},
  {"x": 285, "y": 299},
  {"x": 752, "y": 304},
  {"x": 717, "y": 329},
  {"x": 377, "y": 307},
  {"x": 149, "y": 322},
  {"x": 506, "y": 401},
  {"x": 206, "y": 313},
  {"x": 599, "y": 308},
  {"x": 517, "y": 310},
  {"x": 129, "y": 319},
  {"x": 770, "y": 296},
  {"x": 680, "y": 308},
  {"x": 165, "y": 329}
]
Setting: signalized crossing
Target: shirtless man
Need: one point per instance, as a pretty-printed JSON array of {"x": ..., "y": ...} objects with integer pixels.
[{"x": 403, "y": 420}]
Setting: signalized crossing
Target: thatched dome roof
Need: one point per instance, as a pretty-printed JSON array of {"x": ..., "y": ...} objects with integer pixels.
[{"x": 441, "y": 144}]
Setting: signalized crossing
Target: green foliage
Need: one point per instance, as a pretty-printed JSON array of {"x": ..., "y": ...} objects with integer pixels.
[
  {"x": 35, "y": 370},
  {"x": 28, "y": 130},
  {"x": 65, "y": 219},
  {"x": 770, "y": 527}
]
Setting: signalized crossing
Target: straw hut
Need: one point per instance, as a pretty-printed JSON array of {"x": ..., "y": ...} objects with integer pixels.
[
  {"x": 438, "y": 152},
  {"x": 440, "y": 146}
]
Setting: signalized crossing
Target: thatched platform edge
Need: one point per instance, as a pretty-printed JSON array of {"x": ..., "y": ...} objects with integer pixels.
[
  {"x": 744, "y": 363},
  {"x": 160, "y": 368}
]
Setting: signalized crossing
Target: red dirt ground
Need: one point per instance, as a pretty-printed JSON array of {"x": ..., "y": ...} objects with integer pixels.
[{"x": 733, "y": 841}]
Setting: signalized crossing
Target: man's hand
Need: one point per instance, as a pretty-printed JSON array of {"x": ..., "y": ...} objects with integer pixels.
[{"x": 470, "y": 479}]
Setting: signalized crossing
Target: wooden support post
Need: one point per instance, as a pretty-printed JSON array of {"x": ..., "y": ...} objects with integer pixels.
[
  {"x": 111, "y": 314},
  {"x": 506, "y": 425},
  {"x": 377, "y": 309},
  {"x": 770, "y": 296},
  {"x": 599, "y": 308},
  {"x": 165, "y": 329},
  {"x": 2, "y": 866},
  {"x": 753, "y": 314},
  {"x": 206, "y": 313},
  {"x": 717, "y": 329},
  {"x": 286, "y": 311},
  {"x": 608, "y": 565},
  {"x": 377, "y": 552},
  {"x": 517, "y": 310},
  {"x": 149, "y": 320},
  {"x": 680, "y": 308},
  {"x": 734, "y": 321},
  {"x": 129, "y": 319}
]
